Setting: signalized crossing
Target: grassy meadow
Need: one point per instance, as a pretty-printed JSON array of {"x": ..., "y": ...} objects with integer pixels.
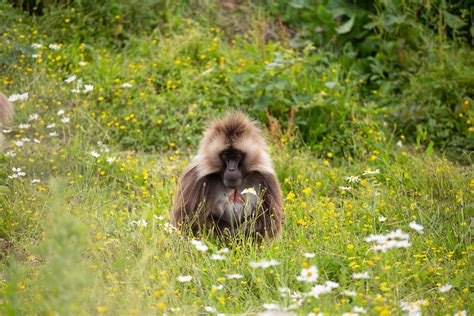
[{"x": 374, "y": 155}]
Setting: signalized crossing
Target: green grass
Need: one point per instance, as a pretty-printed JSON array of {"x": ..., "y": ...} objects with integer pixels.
[{"x": 77, "y": 242}]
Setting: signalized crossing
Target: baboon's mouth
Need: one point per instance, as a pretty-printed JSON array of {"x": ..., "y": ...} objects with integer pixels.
[{"x": 235, "y": 197}]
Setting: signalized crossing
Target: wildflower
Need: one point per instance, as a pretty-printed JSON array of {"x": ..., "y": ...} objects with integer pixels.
[
  {"x": 199, "y": 245},
  {"x": 224, "y": 250},
  {"x": 33, "y": 181},
  {"x": 360, "y": 310},
  {"x": 111, "y": 160},
  {"x": 140, "y": 223},
  {"x": 309, "y": 255},
  {"x": 343, "y": 188},
  {"x": 284, "y": 291},
  {"x": 382, "y": 218},
  {"x": 16, "y": 97},
  {"x": 445, "y": 288},
  {"x": 51, "y": 125},
  {"x": 264, "y": 264},
  {"x": 10, "y": 153},
  {"x": 33, "y": 117},
  {"x": 234, "y": 276},
  {"x": 394, "y": 239},
  {"x": 88, "y": 88},
  {"x": 308, "y": 275},
  {"x": 54, "y": 46},
  {"x": 271, "y": 307},
  {"x": 210, "y": 309},
  {"x": 413, "y": 308},
  {"x": 17, "y": 173},
  {"x": 19, "y": 143},
  {"x": 24, "y": 126},
  {"x": 400, "y": 144},
  {"x": 70, "y": 79},
  {"x": 349, "y": 293},
  {"x": 167, "y": 227},
  {"x": 416, "y": 227},
  {"x": 217, "y": 257},
  {"x": 217, "y": 287},
  {"x": 126, "y": 85},
  {"x": 361, "y": 275},
  {"x": 53, "y": 134},
  {"x": 60, "y": 112},
  {"x": 82, "y": 63},
  {"x": 369, "y": 172},
  {"x": 36, "y": 140},
  {"x": 65, "y": 119},
  {"x": 35, "y": 56},
  {"x": 102, "y": 309},
  {"x": 95, "y": 154},
  {"x": 319, "y": 289},
  {"x": 331, "y": 285},
  {"x": 460, "y": 313},
  {"x": 250, "y": 191},
  {"x": 184, "y": 278},
  {"x": 353, "y": 179},
  {"x": 6, "y": 131},
  {"x": 26, "y": 139},
  {"x": 36, "y": 45}
]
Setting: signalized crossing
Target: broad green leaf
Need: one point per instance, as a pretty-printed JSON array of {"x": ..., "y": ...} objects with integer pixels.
[
  {"x": 346, "y": 27},
  {"x": 453, "y": 21}
]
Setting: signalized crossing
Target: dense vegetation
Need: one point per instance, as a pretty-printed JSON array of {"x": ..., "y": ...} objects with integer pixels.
[{"x": 368, "y": 110}]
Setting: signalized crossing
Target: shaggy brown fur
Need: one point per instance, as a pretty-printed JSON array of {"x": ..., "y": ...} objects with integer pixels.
[
  {"x": 201, "y": 181},
  {"x": 6, "y": 114}
]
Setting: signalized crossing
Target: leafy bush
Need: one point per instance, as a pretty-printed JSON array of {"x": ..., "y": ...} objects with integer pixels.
[{"x": 414, "y": 55}]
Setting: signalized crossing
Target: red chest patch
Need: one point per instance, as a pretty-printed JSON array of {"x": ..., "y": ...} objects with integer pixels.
[{"x": 235, "y": 197}]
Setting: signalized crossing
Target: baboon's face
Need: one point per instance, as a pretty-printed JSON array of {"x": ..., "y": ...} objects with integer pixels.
[{"x": 232, "y": 168}]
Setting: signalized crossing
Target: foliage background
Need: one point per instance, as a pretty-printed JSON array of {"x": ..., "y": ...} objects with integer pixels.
[{"x": 340, "y": 88}]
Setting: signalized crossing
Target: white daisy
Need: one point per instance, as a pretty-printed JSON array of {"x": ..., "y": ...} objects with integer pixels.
[
  {"x": 249, "y": 190},
  {"x": 184, "y": 278},
  {"x": 54, "y": 46},
  {"x": 217, "y": 257},
  {"x": 308, "y": 275},
  {"x": 445, "y": 288},
  {"x": 70, "y": 79},
  {"x": 33, "y": 117},
  {"x": 417, "y": 227},
  {"x": 88, "y": 88},
  {"x": 361, "y": 275},
  {"x": 264, "y": 264},
  {"x": 18, "y": 97}
]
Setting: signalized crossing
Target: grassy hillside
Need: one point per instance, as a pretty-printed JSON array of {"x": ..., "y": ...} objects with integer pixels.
[{"x": 110, "y": 106}]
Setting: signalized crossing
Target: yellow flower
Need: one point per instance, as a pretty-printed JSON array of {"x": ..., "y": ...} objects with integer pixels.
[
  {"x": 101, "y": 309},
  {"x": 290, "y": 196}
]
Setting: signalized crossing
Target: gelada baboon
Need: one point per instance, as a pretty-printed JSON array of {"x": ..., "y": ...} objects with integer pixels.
[
  {"x": 230, "y": 186},
  {"x": 6, "y": 114}
]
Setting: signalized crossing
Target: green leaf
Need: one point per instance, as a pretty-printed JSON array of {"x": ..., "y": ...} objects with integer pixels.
[
  {"x": 346, "y": 27},
  {"x": 325, "y": 16},
  {"x": 453, "y": 21},
  {"x": 262, "y": 102}
]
